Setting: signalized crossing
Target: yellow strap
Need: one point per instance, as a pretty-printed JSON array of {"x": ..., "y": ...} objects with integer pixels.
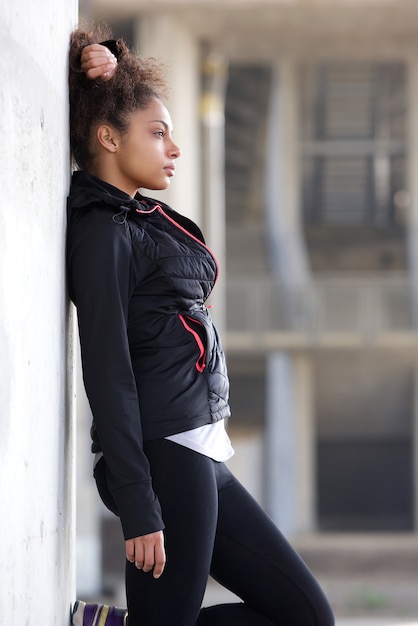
[{"x": 103, "y": 616}]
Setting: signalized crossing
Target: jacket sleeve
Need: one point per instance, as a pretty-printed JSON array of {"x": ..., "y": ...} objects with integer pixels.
[{"x": 99, "y": 263}]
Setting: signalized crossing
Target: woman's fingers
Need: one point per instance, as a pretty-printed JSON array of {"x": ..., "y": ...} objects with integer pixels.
[
  {"x": 104, "y": 71},
  {"x": 159, "y": 560},
  {"x": 147, "y": 552},
  {"x": 130, "y": 550}
]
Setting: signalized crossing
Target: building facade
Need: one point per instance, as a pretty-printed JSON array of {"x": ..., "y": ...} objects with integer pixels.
[{"x": 298, "y": 122}]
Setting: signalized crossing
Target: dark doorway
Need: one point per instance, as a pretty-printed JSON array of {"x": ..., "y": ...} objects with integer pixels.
[{"x": 364, "y": 443}]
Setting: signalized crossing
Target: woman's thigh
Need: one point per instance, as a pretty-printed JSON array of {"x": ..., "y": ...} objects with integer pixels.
[
  {"x": 185, "y": 484},
  {"x": 254, "y": 560}
]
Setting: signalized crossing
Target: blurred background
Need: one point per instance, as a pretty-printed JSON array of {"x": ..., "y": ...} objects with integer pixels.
[{"x": 298, "y": 122}]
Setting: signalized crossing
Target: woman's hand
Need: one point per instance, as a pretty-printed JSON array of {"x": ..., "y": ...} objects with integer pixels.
[
  {"x": 98, "y": 62},
  {"x": 147, "y": 552}
]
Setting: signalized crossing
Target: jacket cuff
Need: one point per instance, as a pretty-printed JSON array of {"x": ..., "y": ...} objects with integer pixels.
[{"x": 139, "y": 510}]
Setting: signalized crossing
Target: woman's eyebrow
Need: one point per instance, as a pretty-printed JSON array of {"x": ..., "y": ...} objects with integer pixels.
[{"x": 166, "y": 126}]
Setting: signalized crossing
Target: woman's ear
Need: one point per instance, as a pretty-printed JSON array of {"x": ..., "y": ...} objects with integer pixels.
[{"x": 108, "y": 138}]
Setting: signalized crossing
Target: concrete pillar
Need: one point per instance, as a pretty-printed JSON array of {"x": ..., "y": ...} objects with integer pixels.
[
  {"x": 415, "y": 450},
  {"x": 290, "y": 443},
  {"x": 412, "y": 221},
  {"x": 212, "y": 115},
  {"x": 36, "y": 426},
  {"x": 305, "y": 451},
  {"x": 286, "y": 246},
  {"x": 412, "y": 224},
  {"x": 165, "y": 37}
]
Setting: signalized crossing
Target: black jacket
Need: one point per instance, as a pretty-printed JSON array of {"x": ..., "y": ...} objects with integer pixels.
[{"x": 139, "y": 274}]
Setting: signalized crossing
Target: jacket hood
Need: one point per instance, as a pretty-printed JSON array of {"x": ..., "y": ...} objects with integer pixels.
[{"x": 86, "y": 189}]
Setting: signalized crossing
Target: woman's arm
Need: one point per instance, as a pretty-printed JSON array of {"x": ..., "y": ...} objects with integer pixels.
[{"x": 99, "y": 260}]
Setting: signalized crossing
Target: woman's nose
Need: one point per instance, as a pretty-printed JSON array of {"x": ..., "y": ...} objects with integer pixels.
[{"x": 175, "y": 152}]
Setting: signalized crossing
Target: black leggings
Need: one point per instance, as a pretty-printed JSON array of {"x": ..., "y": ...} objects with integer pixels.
[{"x": 213, "y": 526}]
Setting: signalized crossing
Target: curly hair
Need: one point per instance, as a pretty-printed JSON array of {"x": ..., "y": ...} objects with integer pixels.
[{"x": 93, "y": 102}]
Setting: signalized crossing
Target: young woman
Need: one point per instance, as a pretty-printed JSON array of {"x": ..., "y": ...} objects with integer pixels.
[{"x": 154, "y": 371}]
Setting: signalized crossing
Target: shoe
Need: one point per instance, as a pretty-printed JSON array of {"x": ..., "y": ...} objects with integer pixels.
[{"x": 98, "y": 615}]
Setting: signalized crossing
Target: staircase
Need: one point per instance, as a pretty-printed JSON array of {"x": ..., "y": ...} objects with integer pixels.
[{"x": 356, "y": 249}]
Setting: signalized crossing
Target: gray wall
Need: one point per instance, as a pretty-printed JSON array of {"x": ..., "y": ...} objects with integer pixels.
[{"x": 36, "y": 441}]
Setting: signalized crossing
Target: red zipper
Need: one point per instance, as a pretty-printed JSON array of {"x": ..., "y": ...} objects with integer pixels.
[
  {"x": 200, "y": 363},
  {"x": 170, "y": 219}
]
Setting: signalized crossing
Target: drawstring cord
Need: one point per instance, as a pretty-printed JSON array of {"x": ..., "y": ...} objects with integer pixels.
[{"x": 120, "y": 218}]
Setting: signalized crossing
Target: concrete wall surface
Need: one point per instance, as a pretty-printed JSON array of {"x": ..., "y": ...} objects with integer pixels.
[{"x": 36, "y": 443}]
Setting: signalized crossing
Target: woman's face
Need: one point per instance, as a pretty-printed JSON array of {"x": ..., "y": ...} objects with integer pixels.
[{"x": 146, "y": 153}]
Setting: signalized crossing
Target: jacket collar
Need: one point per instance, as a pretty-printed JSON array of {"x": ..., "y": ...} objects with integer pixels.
[{"x": 87, "y": 189}]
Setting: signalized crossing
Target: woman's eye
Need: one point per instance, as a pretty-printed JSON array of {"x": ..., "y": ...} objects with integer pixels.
[{"x": 159, "y": 133}]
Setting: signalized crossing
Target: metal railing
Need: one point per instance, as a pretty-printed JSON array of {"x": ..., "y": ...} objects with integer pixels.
[{"x": 363, "y": 308}]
